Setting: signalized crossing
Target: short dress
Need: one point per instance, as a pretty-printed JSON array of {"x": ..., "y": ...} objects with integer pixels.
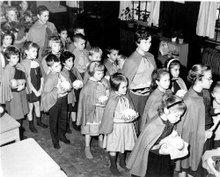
[
  {"x": 123, "y": 136},
  {"x": 36, "y": 75},
  {"x": 92, "y": 128}
]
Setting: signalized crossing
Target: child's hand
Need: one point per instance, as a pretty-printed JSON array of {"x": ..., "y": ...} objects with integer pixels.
[
  {"x": 20, "y": 87},
  {"x": 77, "y": 84},
  {"x": 103, "y": 99},
  {"x": 14, "y": 83},
  {"x": 208, "y": 134},
  {"x": 34, "y": 64}
]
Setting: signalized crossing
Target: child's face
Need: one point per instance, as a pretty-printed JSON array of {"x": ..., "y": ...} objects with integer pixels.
[
  {"x": 95, "y": 56},
  {"x": 28, "y": 19},
  {"x": 43, "y": 17},
  {"x": 144, "y": 45},
  {"x": 7, "y": 41},
  {"x": 122, "y": 88},
  {"x": 56, "y": 67},
  {"x": 12, "y": 16},
  {"x": 55, "y": 47},
  {"x": 174, "y": 116},
  {"x": 113, "y": 55},
  {"x": 80, "y": 31},
  {"x": 13, "y": 61},
  {"x": 175, "y": 71},
  {"x": 24, "y": 5},
  {"x": 216, "y": 94},
  {"x": 63, "y": 35},
  {"x": 98, "y": 75},
  {"x": 69, "y": 63},
  {"x": 31, "y": 53},
  {"x": 207, "y": 80},
  {"x": 80, "y": 44},
  {"x": 164, "y": 82}
]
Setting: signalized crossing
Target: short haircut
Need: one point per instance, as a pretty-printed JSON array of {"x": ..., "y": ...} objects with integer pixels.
[
  {"x": 141, "y": 35},
  {"x": 95, "y": 66},
  {"x": 111, "y": 49},
  {"x": 76, "y": 37},
  {"x": 7, "y": 33},
  {"x": 11, "y": 8},
  {"x": 11, "y": 50},
  {"x": 197, "y": 72},
  {"x": 29, "y": 44},
  {"x": 50, "y": 59},
  {"x": 41, "y": 9},
  {"x": 77, "y": 28},
  {"x": 54, "y": 39},
  {"x": 61, "y": 28},
  {"x": 95, "y": 50},
  {"x": 116, "y": 79},
  {"x": 156, "y": 76},
  {"x": 65, "y": 56},
  {"x": 172, "y": 62}
]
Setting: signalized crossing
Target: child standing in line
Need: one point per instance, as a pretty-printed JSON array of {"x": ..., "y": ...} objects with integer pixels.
[
  {"x": 195, "y": 125},
  {"x": 54, "y": 101},
  {"x": 110, "y": 62},
  {"x": 91, "y": 106},
  {"x": 177, "y": 85},
  {"x": 17, "y": 107},
  {"x": 42, "y": 29},
  {"x": 81, "y": 54},
  {"x": 65, "y": 40},
  {"x": 34, "y": 84},
  {"x": 160, "y": 85},
  {"x": 54, "y": 48},
  {"x": 216, "y": 116},
  {"x": 67, "y": 59},
  {"x": 117, "y": 124},
  {"x": 120, "y": 61},
  {"x": 95, "y": 54}
]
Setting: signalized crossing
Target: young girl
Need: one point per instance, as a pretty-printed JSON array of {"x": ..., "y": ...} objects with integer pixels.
[
  {"x": 16, "y": 107},
  {"x": 160, "y": 81},
  {"x": 177, "y": 85},
  {"x": 91, "y": 106},
  {"x": 117, "y": 123},
  {"x": 146, "y": 157},
  {"x": 35, "y": 83},
  {"x": 195, "y": 125},
  {"x": 110, "y": 62}
]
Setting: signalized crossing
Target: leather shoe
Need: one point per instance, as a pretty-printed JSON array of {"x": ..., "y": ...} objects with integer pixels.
[
  {"x": 56, "y": 146},
  {"x": 65, "y": 140}
]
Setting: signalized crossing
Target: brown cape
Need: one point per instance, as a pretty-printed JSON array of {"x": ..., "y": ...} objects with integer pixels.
[
  {"x": 191, "y": 128},
  {"x": 138, "y": 159},
  {"x": 108, "y": 116}
]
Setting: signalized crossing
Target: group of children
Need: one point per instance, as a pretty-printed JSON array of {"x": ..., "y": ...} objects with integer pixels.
[{"x": 68, "y": 80}]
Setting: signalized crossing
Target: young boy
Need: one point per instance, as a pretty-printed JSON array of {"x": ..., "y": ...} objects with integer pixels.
[
  {"x": 67, "y": 59},
  {"x": 65, "y": 40},
  {"x": 54, "y": 48},
  {"x": 110, "y": 62},
  {"x": 216, "y": 117},
  {"x": 42, "y": 30},
  {"x": 54, "y": 101},
  {"x": 81, "y": 54}
]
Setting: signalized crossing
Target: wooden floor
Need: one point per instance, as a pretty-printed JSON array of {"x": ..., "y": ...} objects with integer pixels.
[{"x": 71, "y": 157}]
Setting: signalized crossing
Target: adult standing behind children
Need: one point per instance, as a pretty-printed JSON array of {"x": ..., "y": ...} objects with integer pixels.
[
  {"x": 138, "y": 69},
  {"x": 42, "y": 29}
]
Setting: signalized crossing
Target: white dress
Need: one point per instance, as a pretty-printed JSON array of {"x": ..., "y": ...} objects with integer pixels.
[{"x": 123, "y": 136}]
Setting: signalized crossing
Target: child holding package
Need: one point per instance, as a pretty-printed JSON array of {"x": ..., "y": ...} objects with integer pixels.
[
  {"x": 117, "y": 124},
  {"x": 54, "y": 101},
  {"x": 92, "y": 100}
]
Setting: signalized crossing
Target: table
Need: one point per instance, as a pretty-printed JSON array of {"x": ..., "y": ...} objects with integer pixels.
[
  {"x": 27, "y": 159},
  {"x": 9, "y": 129}
]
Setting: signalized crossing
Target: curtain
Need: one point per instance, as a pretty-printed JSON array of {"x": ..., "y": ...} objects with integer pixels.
[
  {"x": 123, "y": 5},
  {"x": 154, "y": 13},
  {"x": 206, "y": 19}
]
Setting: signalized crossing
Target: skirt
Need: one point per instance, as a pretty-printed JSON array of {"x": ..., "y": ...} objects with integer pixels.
[{"x": 122, "y": 138}]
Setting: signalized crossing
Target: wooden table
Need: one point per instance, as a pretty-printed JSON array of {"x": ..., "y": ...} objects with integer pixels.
[
  {"x": 27, "y": 159},
  {"x": 9, "y": 129}
]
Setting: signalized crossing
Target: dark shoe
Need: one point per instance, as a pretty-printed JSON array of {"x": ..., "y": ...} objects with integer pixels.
[
  {"x": 122, "y": 163},
  {"x": 68, "y": 130},
  {"x": 65, "y": 140},
  {"x": 31, "y": 127},
  {"x": 40, "y": 123},
  {"x": 76, "y": 127},
  {"x": 113, "y": 168},
  {"x": 56, "y": 146}
]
